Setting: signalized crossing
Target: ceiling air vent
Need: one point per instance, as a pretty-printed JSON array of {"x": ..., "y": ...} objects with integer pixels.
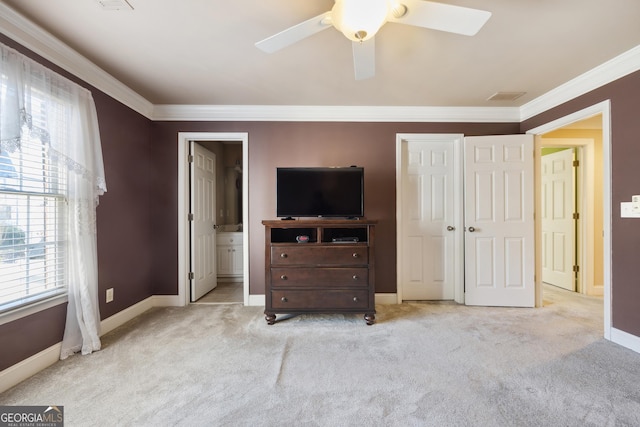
[
  {"x": 114, "y": 4},
  {"x": 505, "y": 96}
]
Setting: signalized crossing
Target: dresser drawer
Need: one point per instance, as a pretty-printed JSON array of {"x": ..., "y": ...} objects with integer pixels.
[
  {"x": 319, "y": 255},
  {"x": 314, "y": 277},
  {"x": 319, "y": 299}
]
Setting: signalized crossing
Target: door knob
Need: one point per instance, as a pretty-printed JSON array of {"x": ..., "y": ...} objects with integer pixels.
[
  {"x": 216, "y": 226},
  {"x": 471, "y": 229},
  {"x": 450, "y": 228}
]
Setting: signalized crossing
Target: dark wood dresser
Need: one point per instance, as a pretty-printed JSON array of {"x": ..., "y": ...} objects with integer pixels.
[{"x": 320, "y": 266}]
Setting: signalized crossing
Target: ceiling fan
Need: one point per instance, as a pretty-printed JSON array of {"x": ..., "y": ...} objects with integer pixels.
[{"x": 359, "y": 20}]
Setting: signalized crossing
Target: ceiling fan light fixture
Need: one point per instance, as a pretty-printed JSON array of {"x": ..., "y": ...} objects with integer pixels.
[
  {"x": 398, "y": 10},
  {"x": 360, "y": 20}
]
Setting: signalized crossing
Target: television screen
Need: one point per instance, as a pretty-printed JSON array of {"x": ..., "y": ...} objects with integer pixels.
[{"x": 320, "y": 192}]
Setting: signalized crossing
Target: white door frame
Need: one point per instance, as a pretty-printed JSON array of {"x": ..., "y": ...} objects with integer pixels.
[
  {"x": 603, "y": 108},
  {"x": 183, "y": 206},
  {"x": 457, "y": 140}
]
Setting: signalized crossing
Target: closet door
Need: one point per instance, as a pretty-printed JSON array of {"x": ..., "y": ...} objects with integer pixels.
[
  {"x": 499, "y": 221},
  {"x": 430, "y": 235}
]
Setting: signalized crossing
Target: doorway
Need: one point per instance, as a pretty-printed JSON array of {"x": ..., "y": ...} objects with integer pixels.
[
  {"x": 583, "y": 255},
  {"x": 239, "y": 146},
  {"x": 592, "y": 126}
]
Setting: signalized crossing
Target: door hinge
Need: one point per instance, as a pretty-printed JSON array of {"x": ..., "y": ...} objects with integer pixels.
[
  {"x": 576, "y": 215},
  {"x": 576, "y": 268},
  {"x": 190, "y": 158},
  {"x": 190, "y": 217},
  {"x": 576, "y": 163},
  {"x": 192, "y": 275}
]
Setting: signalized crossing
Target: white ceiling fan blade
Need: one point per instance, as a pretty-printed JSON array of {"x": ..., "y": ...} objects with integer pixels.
[
  {"x": 443, "y": 17},
  {"x": 295, "y": 33},
  {"x": 364, "y": 59}
]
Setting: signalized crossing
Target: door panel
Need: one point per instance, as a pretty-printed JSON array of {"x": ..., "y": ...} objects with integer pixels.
[
  {"x": 499, "y": 226},
  {"x": 203, "y": 233},
  {"x": 428, "y": 264},
  {"x": 558, "y": 225}
]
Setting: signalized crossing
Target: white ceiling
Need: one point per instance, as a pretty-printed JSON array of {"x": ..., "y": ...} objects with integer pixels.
[{"x": 201, "y": 52}]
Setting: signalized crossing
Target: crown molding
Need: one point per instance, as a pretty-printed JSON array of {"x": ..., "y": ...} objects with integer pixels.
[
  {"x": 620, "y": 66},
  {"x": 299, "y": 113},
  {"x": 33, "y": 37}
]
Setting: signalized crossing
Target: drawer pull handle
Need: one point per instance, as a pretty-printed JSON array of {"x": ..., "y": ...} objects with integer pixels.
[
  {"x": 355, "y": 255},
  {"x": 283, "y": 277},
  {"x": 355, "y": 277},
  {"x": 355, "y": 299},
  {"x": 284, "y": 299},
  {"x": 283, "y": 255}
]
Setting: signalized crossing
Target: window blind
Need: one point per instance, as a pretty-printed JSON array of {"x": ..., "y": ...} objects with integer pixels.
[{"x": 33, "y": 212}]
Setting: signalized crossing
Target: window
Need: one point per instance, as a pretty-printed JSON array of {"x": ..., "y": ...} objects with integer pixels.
[
  {"x": 33, "y": 208},
  {"x": 51, "y": 176}
]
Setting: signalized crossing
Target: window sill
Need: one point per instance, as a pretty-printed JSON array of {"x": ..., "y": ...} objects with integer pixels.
[{"x": 28, "y": 310}]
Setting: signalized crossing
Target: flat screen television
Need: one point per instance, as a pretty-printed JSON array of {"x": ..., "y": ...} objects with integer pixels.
[{"x": 320, "y": 192}]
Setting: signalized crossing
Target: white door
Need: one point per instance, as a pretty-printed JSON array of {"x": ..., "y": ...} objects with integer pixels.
[
  {"x": 558, "y": 224},
  {"x": 429, "y": 225},
  {"x": 499, "y": 221},
  {"x": 203, "y": 232}
]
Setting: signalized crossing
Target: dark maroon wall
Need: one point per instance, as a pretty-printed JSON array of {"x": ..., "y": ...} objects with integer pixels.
[
  {"x": 124, "y": 247},
  {"x": 625, "y": 182},
  {"x": 124, "y": 231},
  {"x": 272, "y": 144},
  {"x": 23, "y": 338}
]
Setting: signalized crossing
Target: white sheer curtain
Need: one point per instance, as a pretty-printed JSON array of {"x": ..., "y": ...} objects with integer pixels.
[{"x": 35, "y": 100}]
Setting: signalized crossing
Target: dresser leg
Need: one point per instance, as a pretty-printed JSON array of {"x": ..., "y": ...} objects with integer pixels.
[
  {"x": 370, "y": 318},
  {"x": 270, "y": 318}
]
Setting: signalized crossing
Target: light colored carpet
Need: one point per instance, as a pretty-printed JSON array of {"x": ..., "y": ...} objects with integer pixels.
[
  {"x": 224, "y": 293},
  {"x": 422, "y": 364}
]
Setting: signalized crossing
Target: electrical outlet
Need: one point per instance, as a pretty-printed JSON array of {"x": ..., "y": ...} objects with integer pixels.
[{"x": 109, "y": 294}]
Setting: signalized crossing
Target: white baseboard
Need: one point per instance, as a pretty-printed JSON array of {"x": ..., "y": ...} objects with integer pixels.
[
  {"x": 19, "y": 372},
  {"x": 256, "y": 300},
  {"x": 387, "y": 298},
  {"x": 22, "y": 370},
  {"x": 625, "y": 339},
  {"x": 122, "y": 317},
  {"x": 167, "y": 301}
]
